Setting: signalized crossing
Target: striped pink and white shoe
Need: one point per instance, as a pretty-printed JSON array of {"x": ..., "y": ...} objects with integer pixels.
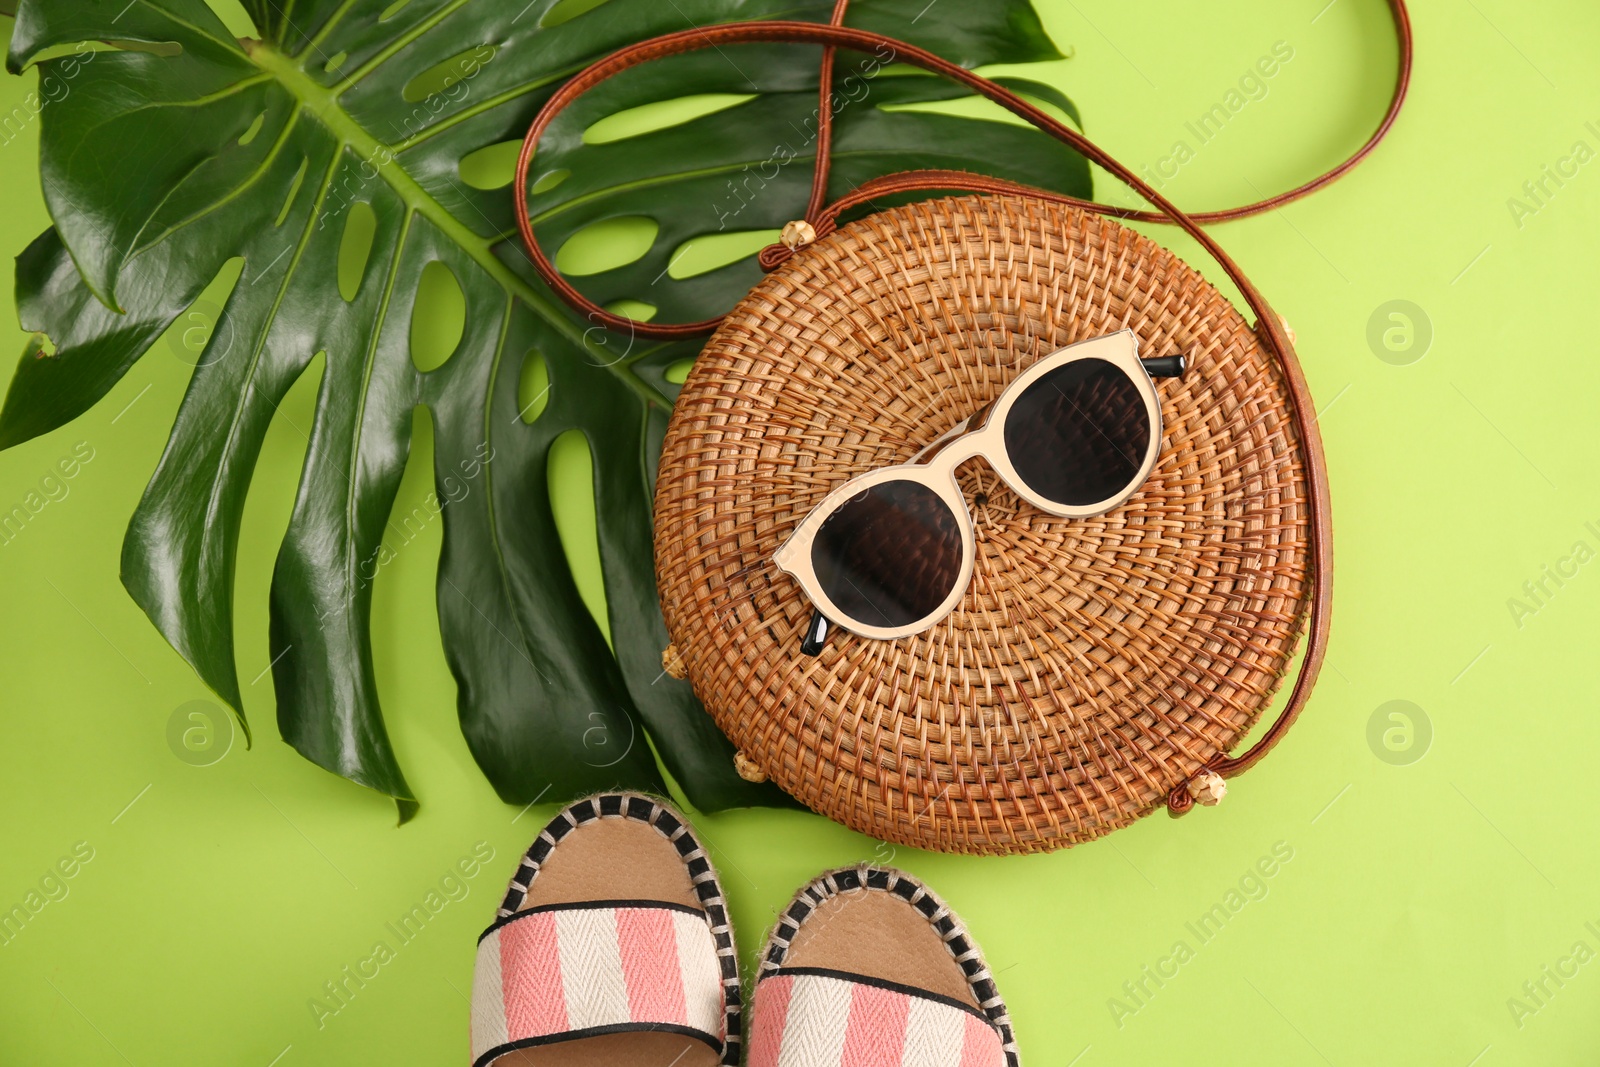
[
  {"x": 868, "y": 968},
  {"x": 612, "y": 947}
]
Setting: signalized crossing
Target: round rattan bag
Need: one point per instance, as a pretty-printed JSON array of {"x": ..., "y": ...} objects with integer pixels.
[
  {"x": 1094, "y": 669},
  {"x": 1094, "y": 664}
]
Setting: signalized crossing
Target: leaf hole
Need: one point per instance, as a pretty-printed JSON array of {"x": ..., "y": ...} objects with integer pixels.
[
  {"x": 533, "y": 387},
  {"x": 234, "y": 17},
  {"x": 294, "y": 190},
  {"x": 255, "y": 127},
  {"x": 438, "y": 317},
  {"x": 201, "y": 335},
  {"x": 633, "y": 309},
  {"x": 492, "y": 166},
  {"x": 442, "y": 77},
  {"x": 607, "y": 245},
  {"x": 549, "y": 181},
  {"x": 81, "y": 48},
  {"x": 978, "y": 107},
  {"x": 567, "y": 10},
  {"x": 165, "y": 49},
  {"x": 335, "y": 62},
  {"x": 678, "y": 373},
  {"x": 392, "y": 10},
  {"x": 707, "y": 252},
  {"x": 355, "y": 247},
  {"x": 571, "y": 479},
  {"x": 660, "y": 115}
]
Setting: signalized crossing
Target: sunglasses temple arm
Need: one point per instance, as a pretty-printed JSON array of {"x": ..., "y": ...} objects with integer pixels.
[
  {"x": 1165, "y": 366},
  {"x": 816, "y": 635}
]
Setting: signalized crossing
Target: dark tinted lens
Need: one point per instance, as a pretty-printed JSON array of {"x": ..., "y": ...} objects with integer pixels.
[
  {"x": 1079, "y": 434},
  {"x": 889, "y": 556}
]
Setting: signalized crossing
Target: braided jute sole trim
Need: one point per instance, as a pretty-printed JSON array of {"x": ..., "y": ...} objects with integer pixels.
[
  {"x": 672, "y": 826},
  {"x": 864, "y": 878}
]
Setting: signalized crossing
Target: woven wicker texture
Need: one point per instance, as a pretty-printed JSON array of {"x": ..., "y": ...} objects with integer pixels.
[{"x": 1093, "y": 664}]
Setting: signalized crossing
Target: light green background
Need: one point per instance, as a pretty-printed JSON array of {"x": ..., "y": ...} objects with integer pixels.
[{"x": 1419, "y": 897}]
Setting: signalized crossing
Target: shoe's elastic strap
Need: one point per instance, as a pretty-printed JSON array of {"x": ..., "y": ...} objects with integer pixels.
[{"x": 567, "y": 971}]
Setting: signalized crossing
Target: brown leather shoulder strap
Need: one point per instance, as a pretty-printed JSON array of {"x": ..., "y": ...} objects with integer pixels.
[
  {"x": 1268, "y": 325},
  {"x": 860, "y": 40}
]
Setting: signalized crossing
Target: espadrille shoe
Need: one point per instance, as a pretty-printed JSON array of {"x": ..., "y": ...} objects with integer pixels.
[
  {"x": 868, "y": 968},
  {"x": 612, "y": 947}
]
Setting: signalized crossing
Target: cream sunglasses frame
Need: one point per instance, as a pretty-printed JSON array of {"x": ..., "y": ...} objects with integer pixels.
[{"x": 980, "y": 434}]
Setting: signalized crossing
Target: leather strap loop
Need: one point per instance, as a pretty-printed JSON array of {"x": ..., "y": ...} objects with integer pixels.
[
  {"x": 864, "y": 41},
  {"x": 1269, "y": 326}
]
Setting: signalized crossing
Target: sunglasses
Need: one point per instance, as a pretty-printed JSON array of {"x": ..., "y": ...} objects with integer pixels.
[{"x": 889, "y": 553}]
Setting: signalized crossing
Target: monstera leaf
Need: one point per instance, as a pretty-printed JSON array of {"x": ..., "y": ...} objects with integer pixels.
[{"x": 319, "y": 165}]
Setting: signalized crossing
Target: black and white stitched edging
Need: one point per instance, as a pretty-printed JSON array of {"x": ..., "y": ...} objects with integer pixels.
[
  {"x": 670, "y": 825},
  {"x": 943, "y": 921}
]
